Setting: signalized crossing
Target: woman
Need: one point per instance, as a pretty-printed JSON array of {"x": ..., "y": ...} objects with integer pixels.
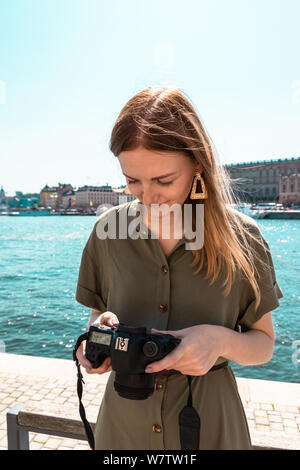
[{"x": 218, "y": 299}]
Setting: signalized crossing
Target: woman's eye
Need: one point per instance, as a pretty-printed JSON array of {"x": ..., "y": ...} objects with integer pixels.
[{"x": 159, "y": 182}]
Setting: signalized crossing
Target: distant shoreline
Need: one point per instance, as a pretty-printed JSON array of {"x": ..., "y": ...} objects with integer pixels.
[{"x": 268, "y": 214}]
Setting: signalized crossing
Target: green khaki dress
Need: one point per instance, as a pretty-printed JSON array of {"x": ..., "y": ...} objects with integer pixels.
[{"x": 134, "y": 279}]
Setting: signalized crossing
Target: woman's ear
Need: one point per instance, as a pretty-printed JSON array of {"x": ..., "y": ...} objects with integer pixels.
[{"x": 198, "y": 167}]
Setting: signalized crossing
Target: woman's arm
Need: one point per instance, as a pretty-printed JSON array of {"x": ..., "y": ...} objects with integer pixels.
[
  {"x": 94, "y": 317},
  {"x": 253, "y": 347},
  {"x": 201, "y": 345}
]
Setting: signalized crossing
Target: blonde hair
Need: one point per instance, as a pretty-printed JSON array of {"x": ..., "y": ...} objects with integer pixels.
[{"x": 164, "y": 119}]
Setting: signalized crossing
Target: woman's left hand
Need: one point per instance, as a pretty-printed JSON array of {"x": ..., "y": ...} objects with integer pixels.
[{"x": 200, "y": 347}]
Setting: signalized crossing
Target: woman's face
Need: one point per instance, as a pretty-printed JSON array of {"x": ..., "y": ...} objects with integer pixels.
[{"x": 158, "y": 177}]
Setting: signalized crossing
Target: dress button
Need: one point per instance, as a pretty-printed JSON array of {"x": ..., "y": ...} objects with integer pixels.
[
  {"x": 163, "y": 307},
  {"x": 165, "y": 269},
  {"x": 157, "y": 428},
  {"x": 159, "y": 386}
]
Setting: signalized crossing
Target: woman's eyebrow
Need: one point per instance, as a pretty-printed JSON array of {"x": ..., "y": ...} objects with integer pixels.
[{"x": 156, "y": 178}]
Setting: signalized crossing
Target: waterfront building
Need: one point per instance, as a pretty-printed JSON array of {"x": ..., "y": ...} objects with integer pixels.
[
  {"x": 52, "y": 196},
  {"x": 48, "y": 197},
  {"x": 123, "y": 197},
  {"x": 289, "y": 189},
  {"x": 93, "y": 196},
  {"x": 69, "y": 199},
  {"x": 20, "y": 201},
  {"x": 261, "y": 180}
]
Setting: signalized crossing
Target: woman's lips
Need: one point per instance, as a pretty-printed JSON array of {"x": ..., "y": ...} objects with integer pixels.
[{"x": 156, "y": 204}]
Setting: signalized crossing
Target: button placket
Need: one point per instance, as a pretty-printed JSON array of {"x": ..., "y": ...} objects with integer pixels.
[
  {"x": 159, "y": 386},
  {"x": 157, "y": 428},
  {"x": 164, "y": 269},
  {"x": 156, "y": 425},
  {"x": 163, "y": 308}
]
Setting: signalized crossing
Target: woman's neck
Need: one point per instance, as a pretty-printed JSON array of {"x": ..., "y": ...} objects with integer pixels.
[{"x": 167, "y": 225}]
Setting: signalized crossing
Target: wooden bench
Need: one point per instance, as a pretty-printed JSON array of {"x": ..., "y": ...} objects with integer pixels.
[
  {"x": 62, "y": 422},
  {"x": 55, "y": 421}
]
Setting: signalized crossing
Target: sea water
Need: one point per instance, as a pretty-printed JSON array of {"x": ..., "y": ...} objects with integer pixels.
[{"x": 39, "y": 263}]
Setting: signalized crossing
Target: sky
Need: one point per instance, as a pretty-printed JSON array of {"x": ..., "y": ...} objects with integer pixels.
[{"x": 67, "y": 67}]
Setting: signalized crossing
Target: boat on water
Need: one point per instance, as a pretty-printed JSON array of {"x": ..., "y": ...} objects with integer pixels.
[
  {"x": 267, "y": 211},
  {"x": 242, "y": 207},
  {"x": 35, "y": 213},
  {"x": 43, "y": 212},
  {"x": 258, "y": 211}
]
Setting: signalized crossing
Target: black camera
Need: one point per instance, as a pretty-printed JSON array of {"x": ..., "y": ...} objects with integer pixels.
[{"x": 131, "y": 349}]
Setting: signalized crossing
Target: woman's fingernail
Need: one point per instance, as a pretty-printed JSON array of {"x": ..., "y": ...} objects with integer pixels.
[{"x": 148, "y": 369}]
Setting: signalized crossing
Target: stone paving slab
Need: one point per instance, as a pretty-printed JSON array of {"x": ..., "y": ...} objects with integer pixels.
[{"x": 272, "y": 408}]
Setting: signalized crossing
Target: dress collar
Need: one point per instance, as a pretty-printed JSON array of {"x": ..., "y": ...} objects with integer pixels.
[{"x": 146, "y": 233}]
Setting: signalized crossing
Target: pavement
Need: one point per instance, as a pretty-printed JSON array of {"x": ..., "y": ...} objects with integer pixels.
[{"x": 272, "y": 408}]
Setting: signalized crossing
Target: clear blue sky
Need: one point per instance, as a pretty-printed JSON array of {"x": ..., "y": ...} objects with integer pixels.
[{"x": 68, "y": 66}]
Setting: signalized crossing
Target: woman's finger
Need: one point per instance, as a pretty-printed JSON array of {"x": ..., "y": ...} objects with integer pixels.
[
  {"x": 163, "y": 332},
  {"x": 101, "y": 369},
  {"x": 167, "y": 362},
  {"x": 109, "y": 319},
  {"x": 80, "y": 354}
]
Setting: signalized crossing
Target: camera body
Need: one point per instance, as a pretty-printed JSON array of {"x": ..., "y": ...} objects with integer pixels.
[{"x": 131, "y": 349}]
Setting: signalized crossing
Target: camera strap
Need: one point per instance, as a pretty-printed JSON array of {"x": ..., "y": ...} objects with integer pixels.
[
  {"x": 189, "y": 420},
  {"x": 189, "y": 423},
  {"x": 80, "y": 381}
]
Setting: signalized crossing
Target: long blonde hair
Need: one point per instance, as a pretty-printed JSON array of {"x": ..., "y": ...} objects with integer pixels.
[{"x": 164, "y": 119}]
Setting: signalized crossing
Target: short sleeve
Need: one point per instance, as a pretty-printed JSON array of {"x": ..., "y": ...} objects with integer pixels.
[
  {"x": 267, "y": 283},
  {"x": 92, "y": 286}
]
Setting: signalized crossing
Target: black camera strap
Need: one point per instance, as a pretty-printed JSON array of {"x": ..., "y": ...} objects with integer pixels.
[
  {"x": 80, "y": 381},
  {"x": 189, "y": 424},
  {"x": 189, "y": 419}
]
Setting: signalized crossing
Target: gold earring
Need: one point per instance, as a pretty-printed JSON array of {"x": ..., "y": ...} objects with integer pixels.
[
  {"x": 126, "y": 191},
  {"x": 194, "y": 194}
]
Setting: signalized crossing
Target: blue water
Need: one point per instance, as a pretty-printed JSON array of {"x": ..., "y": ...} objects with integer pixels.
[{"x": 39, "y": 264}]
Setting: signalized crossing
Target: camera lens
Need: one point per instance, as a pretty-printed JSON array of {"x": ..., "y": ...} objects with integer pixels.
[
  {"x": 150, "y": 349},
  {"x": 134, "y": 387}
]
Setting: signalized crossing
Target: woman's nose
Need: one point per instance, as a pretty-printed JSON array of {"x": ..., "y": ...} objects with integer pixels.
[{"x": 148, "y": 196}]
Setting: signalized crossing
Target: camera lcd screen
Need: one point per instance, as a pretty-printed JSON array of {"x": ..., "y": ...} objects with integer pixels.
[{"x": 100, "y": 338}]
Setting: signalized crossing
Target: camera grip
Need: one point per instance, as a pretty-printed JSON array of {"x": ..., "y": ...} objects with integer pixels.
[{"x": 92, "y": 355}]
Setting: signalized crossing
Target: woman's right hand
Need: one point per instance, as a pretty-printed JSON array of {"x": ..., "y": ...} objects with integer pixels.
[{"x": 108, "y": 319}]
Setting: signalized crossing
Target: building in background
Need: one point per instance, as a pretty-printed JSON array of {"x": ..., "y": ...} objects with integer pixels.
[
  {"x": 123, "y": 197},
  {"x": 48, "y": 196},
  {"x": 93, "y": 196},
  {"x": 52, "y": 196},
  {"x": 19, "y": 201},
  {"x": 69, "y": 200},
  {"x": 261, "y": 180},
  {"x": 289, "y": 189}
]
